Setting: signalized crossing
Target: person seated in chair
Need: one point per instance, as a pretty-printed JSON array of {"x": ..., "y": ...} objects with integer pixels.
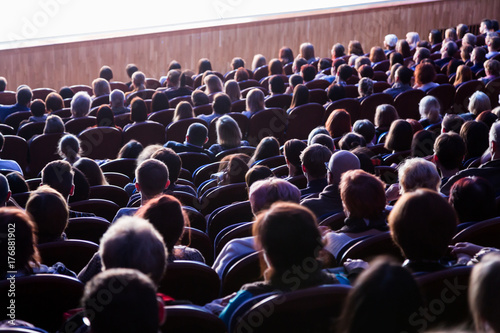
[
  {"x": 493, "y": 47},
  {"x": 8, "y": 164},
  {"x": 37, "y": 113},
  {"x": 117, "y": 102},
  {"x": 448, "y": 50},
  {"x": 220, "y": 106},
  {"x": 228, "y": 135},
  {"x": 196, "y": 137},
  {"x": 23, "y": 101},
  {"x": 402, "y": 84},
  {"x": 313, "y": 160},
  {"x": 292, "y": 149},
  {"x": 80, "y": 105}
]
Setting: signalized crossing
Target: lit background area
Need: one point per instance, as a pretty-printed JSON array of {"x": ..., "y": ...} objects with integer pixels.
[{"x": 27, "y": 23}]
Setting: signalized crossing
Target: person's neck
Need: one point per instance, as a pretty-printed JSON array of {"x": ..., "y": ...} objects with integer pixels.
[{"x": 448, "y": 173}]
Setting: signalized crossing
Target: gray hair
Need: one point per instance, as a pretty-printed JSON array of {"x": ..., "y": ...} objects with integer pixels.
[
  {"x": 391, "y": 40},
  {"x": 416, "y": 173},
  {"x": 117, "y": 98},
  {"x": 80, "y": 104},
  {"x": 479, "y": 102}
]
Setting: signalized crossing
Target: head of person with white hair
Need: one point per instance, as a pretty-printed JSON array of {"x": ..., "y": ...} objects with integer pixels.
[{"x": 80, "y": 104}]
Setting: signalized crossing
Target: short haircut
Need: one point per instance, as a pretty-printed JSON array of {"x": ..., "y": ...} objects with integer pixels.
[
  {"x": 3, "y": 83},
  {"x": 54, "y": 102},
  {"x": 422, "y": 224},
  {"x": 338, "y": 50},
  {"x": 424, "y": 73},
  {"x": 106, "y": 73},
  {"x": 263, "y": 193},
  {"x": 292, "y": 150},
  {"x": 100, "y": 87},
  {"x": 416, "y": 173},
  {"x": 276, "y": 84},
  {"x": 221, "y": 104},
  {"x": 365, "y": 87},
  {"x": 197, "y": 134},
  {"x": 366, "y": 71},
  {"x": 172, "y": 161},
  {"x": 117, "y": 98},
  {"x": 308, "y": 72},
  {"x": 152, "y": 177},
  {"x": 430, "y": 108},
  {"x": 257, "y": 172},
  {"x": 335, "y": 92},
  {"x": 121, "y": 300},
  {"x": 452, "y": 122},
  {"x": 138, "y": 110},
  {"x": 17, "y": 183},
  {"x": 404, "y": 74},
  {"x": 24, "y": 95},
  {"x": 174, "y": 77},
  {"x": 314, "y": 158},
  {"x": 473, "y": 198},
  {"x": 289, "y": 235},
  {"x": 50, "y": 213},
  {"x": 492, "y": 66},
  {"x": 237, "y": 62},
  {"x": 59, "y": 175},
  {"x": 324, "y": 140},
  {"x": 295, "y": 80},
  {"x": 131, "y": 149},
  {"x": 365, "y": 128},
  {"x": 340, "y": 162},
  {"x": 363, "y": 194},
  {"x": 344, "y": 72},
  {"x": 449, "y": 149},
  {"x": 479, "y": 102},
  {"x": 133, "y": 242},
  {"x": 53, "y": 124},
  {"x": 37, "y": 108},
  {"x": 131, "y": 69},
  {"x": 391, "y": 40},
  {"x": 352, "y": 140},
  {"x": 80, "y": 104}
]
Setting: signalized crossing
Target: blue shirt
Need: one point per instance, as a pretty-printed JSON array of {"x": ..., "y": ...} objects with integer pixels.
[{"x": 10, "y": 109}]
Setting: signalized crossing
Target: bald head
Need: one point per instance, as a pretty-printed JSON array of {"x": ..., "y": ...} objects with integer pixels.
[{"x": 339, "y": 163}]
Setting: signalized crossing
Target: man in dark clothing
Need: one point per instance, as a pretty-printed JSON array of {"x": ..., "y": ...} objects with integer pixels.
[
  {"x": 402, "y": 84},
  {"x": 196, "y": 137},
  {"x": 313, "y": 160},
  {"x": 23, "y": 98}
]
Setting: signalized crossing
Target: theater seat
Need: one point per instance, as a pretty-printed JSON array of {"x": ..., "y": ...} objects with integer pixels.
[
  {"x": 188, "y": 319},
  {"x": 222, "y": 196},
  {"x": 245, "y": 270},
  {"x": 303, "y": 119},
  {"x": 370, "y": 247},
  {"x": 73, "y": 253},
  {"x": 100, "y": 207},
  {"x": 86, "y": 228},
  {"x": 147, "y": 133}
]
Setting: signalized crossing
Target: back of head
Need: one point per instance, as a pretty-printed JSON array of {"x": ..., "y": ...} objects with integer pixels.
[
  {"x": 133, "y": 242},
  {"x": 308, "y": 72},
  {"x": 340, "y": 162},
  {"x": 106, "y": 73},
  {"x": 275, "y": 67},
  {"x": 117, "y": 98},
  {"x": 276, "y": 85},
  {"x": 424, "y": 73},
  {"x": 24, "y": 95},
  {"x": 344, "y": 72},
  {"x": 237, "y": 63},
  {"x": 324, "y": 140},
  {"x": 183, "y": 110},
  {"x": 423, "y": 143},
  {"x": 267, "y": 147},
  {"x": 366, "y": 71},
  {"x": 69, "y": 148},
  {"x": 221, "y": 104},
  {"x": 228, "y": 132},
  {"x": 452, "y": 122},
  {"x": 197, "y": 134},
  {"x": 313, "y": 160},
  {"x": 3, "y": 83},
  {"x": 360, "y": 61},
  {"x": 363, "y": 194},
  {"x": 377, "y": 54},
  {"x": 152, "y": 177},
  {"x": 255, "y": 100},
  {"x": 355, "y": 48},
  {"x": 263, "y": 193},
  {"x": 37, "y": 108},
  {"x": 484, "y": 295},
  {"x": 105, "y": 117},
  {"x": 232, "y": 89},
  {"x": 365, "y": 87},
  {"x": 171, "y": 160},
  {"x": 59, "y": 176},
  {"x": 204, "y": 65},
  {"x": 100, "y": 87},
  {"x": 17, "y": 184},
  {"x": 473, "y": 198},
  {"x": 399, "y": 136},
  {"x": 335, "y": 92},
  {"x": 66, "y": 92},
  {"x": 300, "y": 96},
  {"x": 131, "y": 69},
  {"x": 338, "y": 50},
  {"x": 138, "y": 79},
  {"x": 91, "y": 170},
  {"x": 53, "y": 124},
  {"x": 462, "y": 30},
  {"x": 138, "y": 110},
  {"x": 449, "y": 149},
  {"x": 430, "y": 108},
  {"x": 479, "y": 102},
  {"x": 213, "y": 83},
  {"x": 54, "y": 102},
  {"x": 391, "y": 40},
  {"x": 131, "y": 149},
  {"x": 50, "y": 213},
  {"x": 385, "y": 115},
  {"x": 351, "y": 141},
  {"x": 4, "y": 190},
  {"x": 383, "y": 299},
  {"x": 404, "y": 74},
  {"x": 173, "y": 77},
  {"x": 166, "y": 215},
  {"x": 234, "y": 169},
  {"x": 129, "y": 306},
  {"x": 422, "y": 224},
  {"x": 198, "y": 98},
  {"x": 492, "y": 67},
  {"x": 80, "y": 104},
  {"x": 159, "y": 101},
  {"x": 292, "y": 151},
  {"x": 416, "y": 173},
  {"x": 257, "y": 172},
  {"x": 435, "y": 37},
  {"x": 475, "y": 136},
  {"x": 365, "y": 128},
  {"x": 338, "y": 123},
  {"x": 316, "y": 131},
  {"x": 289, "y": 235}
]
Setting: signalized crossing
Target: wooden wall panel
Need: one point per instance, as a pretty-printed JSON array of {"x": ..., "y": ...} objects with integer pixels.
[{"x": 79, "y": 62}]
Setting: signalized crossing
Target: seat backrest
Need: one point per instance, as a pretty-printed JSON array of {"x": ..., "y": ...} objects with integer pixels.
[
  {"x": 7, "y": 98},
  {"x": 245, "y": 91},
  {"x": 484, "y": 233},
  {"x": 492, "y": 89},
  {"x": 188, "y": 318},
  {"x": 124, "y": 166},
  {"x": 242, "y": 120},
  {"x": 387, "y": 174},
  {"x": 248, "y": 83},
  {"x": 446, "y": 291},
  {"x": 272, "y": 162},
  {"x": 199, "y": 240},
  {"x": 317, "y": 84},
  {"x": 373, "y": 246},
  {"x": 222, "y": 196},
  {"x": 351, "y": 105},
  {"x": 192, "y": 161},
  {"x": 229, "y": 215},
  {"x": 204, "y": 172},
  {"x": 247, "y": 150},
  {"x": 63, "y": 113},
  {"x": 86, "y": 228},
  {"x": 406, "y": 104},
  {"x": 15, "y": 148},
  {"x": 122, "y": 119},
  {"x": 14, "y": 119},
  {"x": 351, "y": 91},
  {"x": 163, "y": 117},
  {"x": 101, "y": 100},
  {"x": 463, "y": 93},
  {"x": 174, "y": 101},
  {"x": 396, "y": 157},
  {"x": 42, "y": 299},
  {"x": 268, "y": 122},
  {"x": 245, "y": 270},
  {"x": 260, "y": 72},
  {"x": 29, "y": 130},
  {"x": 147, "y": 133},
  {"x": 74, "y": 254},
  {"x": 196, "y": 219},
  {"x": 239, "y": 105},
  {"x": 279, "y": 101},
  {"x": 7, "y": 129},
  {"x": 119, "y": 85},
  {"x": 202, "y": 109},
  {"x": 111, "y": 193},
  {"x": 152, "y": 83},
  {"x": 42, "y": 150},
  {"x": 306, "y": 310},
  {"x": 238, "y": 230},
  {"x": 77, "y": 125},
  {"x": 177, "y": 131},
  {"x": 380, "y": 86},
  {"x": 41, "y": 93},
  {"x": 369, "y": 105},
  {"x": 190, "y": 280},
  {"x": 144, "y": 94},
  {"x": 302, "y": 119},
  {"x": 101, "y": 142},
  {"x": 318, "y": 96},
  {"x": 82, "y": 87},
  {"x": 382, "y": 66},
  {"x": 445, "y": 93},
  {"x": 334, "y": 222},
  {"x": 100, "y": 207}
]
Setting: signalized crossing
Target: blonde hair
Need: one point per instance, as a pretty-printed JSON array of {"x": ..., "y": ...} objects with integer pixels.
[
  {"x": 138, "y": 81},
  {"x": 53, "y": 124},
  {"x": 255, "y": 100},
  {"x": 416, "y": 173},
  {"x": 429, "y": 108},
  {"x": 183, "y": 110},
  {"x": 228, "y": 132},
  {"x": 232, "y": 89}
]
